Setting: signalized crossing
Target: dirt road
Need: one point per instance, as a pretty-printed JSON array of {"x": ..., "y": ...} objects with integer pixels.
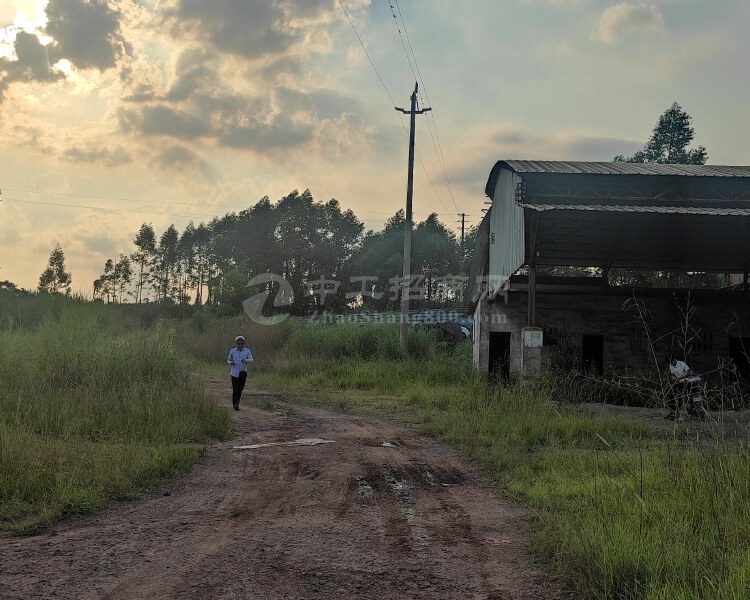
[{"x": 381, "y": 512}]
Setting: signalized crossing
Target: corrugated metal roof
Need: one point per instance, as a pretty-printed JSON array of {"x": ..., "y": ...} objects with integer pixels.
[
  {"x": 665, "y": 210},
  {"x": 622, "y": 168}
]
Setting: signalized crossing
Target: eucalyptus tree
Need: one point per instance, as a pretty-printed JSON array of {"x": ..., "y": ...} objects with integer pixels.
[
  {"x": 55, "y": 278},
  {"x": 669, "y": 141},
  {"x": 166, "y": 266},
  {"x": 143, "y": 257}
]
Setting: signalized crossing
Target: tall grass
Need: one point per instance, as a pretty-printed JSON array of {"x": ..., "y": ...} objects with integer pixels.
[
  {"x": 622, "y": 513},
  {"x": 91, "y": 411}
]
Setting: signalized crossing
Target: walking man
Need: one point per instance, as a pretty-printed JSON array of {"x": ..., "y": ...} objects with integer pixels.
[{"x": 238, "y": 358}]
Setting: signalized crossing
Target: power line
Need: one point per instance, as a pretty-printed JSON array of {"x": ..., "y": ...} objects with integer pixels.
[
  {"x": 141, "y": 211},
  {"x": 118, "y": 198},
  {"x": 361, "y": 43},
  {"x": 429, "y": 127},
  {"x": 438, "y": 146},
  {"x": 393, "y": 102},
  {"x": 109, "y": 209}
]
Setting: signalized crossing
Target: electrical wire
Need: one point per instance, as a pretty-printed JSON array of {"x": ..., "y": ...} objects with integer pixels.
[
  {"x": 393, "y": 102},
  {"x": 436, "y": 138},
  {"x": 108, "y": 209},
  {"x": 133, "y": 210}
]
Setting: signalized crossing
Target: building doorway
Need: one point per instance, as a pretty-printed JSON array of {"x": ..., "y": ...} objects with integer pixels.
[
  {"x": 739, "y": 352},
  {"x": 499, "y": 368},
  {"x": 592, "y": 354}
]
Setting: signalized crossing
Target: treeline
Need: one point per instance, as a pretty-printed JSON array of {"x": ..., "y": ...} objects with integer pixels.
[{"x": 322, "y": 251}]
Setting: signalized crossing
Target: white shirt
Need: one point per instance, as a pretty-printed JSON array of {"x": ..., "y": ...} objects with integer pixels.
[
  {"x": 679, "y": 370},
  {"x": 235, "y": 357}
]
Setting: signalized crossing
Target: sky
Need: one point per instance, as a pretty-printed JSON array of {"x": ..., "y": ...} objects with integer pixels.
[{"x": 118, "y": 112}]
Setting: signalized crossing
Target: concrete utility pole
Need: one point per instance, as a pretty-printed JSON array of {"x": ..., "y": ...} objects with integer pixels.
[{"x": 405, "y": 286}]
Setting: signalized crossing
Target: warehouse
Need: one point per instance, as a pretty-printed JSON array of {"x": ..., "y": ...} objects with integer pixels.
[{"x": 594, "y": 220}]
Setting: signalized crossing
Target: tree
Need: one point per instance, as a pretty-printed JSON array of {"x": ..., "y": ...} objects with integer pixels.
[
  {"x": 145, "y": 241},
  {"x": 669, "y": 141},
  {"x": 104, "y": 285},
  {"x": 55, "y": 278},
  {"x": 166, "y": 266},
  {"x": 8, "y": 286},
  {"x": 122, "y": 275},
  {"x": 435, "y": 254}
]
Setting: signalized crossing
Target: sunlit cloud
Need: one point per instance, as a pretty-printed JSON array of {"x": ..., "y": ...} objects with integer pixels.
[{"x": 626, "y": 19}]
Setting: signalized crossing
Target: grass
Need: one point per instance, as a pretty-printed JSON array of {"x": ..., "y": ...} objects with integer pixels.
[
  {"x": 620, "y": 512},
  {"x": 92, "y": 410}
]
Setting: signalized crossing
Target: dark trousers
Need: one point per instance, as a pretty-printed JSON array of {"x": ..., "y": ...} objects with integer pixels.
[{"x": 238, "y": 384}]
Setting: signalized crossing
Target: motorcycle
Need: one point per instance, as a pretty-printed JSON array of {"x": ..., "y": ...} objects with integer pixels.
[{"x": 687, "y": 394}]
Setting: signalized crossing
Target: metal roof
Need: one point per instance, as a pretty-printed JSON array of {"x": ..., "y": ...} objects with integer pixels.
[
  {"x": 665, "y": 210},
  {"x": 623, "y": 168},
  {"x": 621, "y": 215},
  {"x": 627, "y": 172}
]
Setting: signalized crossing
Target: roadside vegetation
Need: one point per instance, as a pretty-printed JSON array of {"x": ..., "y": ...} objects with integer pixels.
[
  {"x": 621, "y": 511},
  {"x": 93, "y": 408}
]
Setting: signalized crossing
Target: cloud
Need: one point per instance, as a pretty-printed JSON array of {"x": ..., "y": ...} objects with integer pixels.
[
  {"x": 578, "y": 146},
  {"x": 182, "y": 159},
  {"x": 84, "y": 32},
  {"x": 31, "y": 63},
  {"x": 282, "y": 133},
  {"x": 87, "y": 33},
  {"x": 163, "y": 120},
  {"x": 102, "y": 155},
  {"x": 627, "y": 19},
  {"x": 474, "y": 160},
  {"x": 347, "y": 136},
  {"x": 95, "y": 243},
  {"x": 248, "y": 28}
]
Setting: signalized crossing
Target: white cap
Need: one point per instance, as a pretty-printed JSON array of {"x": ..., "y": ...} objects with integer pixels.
[{"x": 239, "y": 338}]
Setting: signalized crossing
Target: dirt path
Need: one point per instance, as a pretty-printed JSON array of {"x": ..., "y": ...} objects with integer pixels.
[{"x": 381, "y": 512}]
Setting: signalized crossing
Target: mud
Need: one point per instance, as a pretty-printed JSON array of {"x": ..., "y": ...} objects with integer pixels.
[{"x": 382, "y": 512}]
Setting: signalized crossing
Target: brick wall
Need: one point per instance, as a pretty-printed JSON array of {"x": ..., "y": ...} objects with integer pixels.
[{"x": 714, "y": 318}]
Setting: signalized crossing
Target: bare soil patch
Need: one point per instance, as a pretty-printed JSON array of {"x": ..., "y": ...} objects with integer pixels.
[{"x": 382, "y": 512}]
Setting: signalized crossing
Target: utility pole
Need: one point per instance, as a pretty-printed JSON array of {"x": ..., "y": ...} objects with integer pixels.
[
  {"x": 406, "y": 283},
  {"x": 463, "y": 222}
]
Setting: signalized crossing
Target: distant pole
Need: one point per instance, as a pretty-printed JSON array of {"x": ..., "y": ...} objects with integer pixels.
[
  {"x": 405, "y": 285},
  {"x": 463, "y": 224}
]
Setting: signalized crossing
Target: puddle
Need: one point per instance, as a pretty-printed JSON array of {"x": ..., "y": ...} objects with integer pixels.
[
  {"x": 407, "y": 505},
  {"x": 300, "y": 442},
  {"x": 364, "y": 489}
]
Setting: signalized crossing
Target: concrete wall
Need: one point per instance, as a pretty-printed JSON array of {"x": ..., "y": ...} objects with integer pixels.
[{"x": 567, "y": 317}]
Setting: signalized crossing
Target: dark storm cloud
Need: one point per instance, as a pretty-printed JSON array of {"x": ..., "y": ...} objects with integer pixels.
[
  {"x": 179, "y": 157},
  {"x": 109, "y": 157},
  {"x": 32, "y": 65},
  {"x": 260, "y": 136},
  {"x": 163, "y": 120},
  {"x": 86, "y": 32},
  {"x": 140, "y": 93},
  {"x": 195, "y": 70},
  {"x": 249, "y": 28}
]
